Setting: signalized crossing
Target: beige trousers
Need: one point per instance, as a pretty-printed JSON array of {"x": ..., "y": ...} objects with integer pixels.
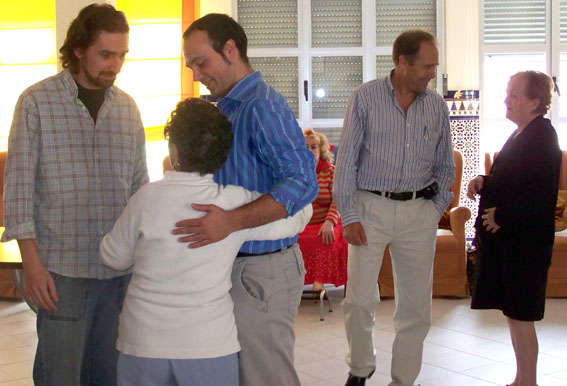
[
  {"x": 266, "y": 291},
  {"x": 409, "y": 228}
]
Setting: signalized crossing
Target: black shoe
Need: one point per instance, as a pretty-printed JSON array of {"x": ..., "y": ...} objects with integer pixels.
[{"x": 353, "y": 380}]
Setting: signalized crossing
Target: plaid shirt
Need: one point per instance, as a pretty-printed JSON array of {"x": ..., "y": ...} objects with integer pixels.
[{"x": 68, "y": 179}]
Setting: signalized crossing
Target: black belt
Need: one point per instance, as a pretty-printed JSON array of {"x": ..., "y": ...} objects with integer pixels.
[
  {"x": 405, "y": 196},
  {"x": 244, "y": 254}
]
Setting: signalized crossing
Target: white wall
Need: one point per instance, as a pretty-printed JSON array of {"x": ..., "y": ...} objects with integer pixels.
[
  {"x": 461, "y": 44},
  {"x": 215, "y": 6}
]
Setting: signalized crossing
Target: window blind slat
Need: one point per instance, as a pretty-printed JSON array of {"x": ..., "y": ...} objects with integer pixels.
[
  {"x": 395, "y": 16},
  {"x": 514, "y": 21}
]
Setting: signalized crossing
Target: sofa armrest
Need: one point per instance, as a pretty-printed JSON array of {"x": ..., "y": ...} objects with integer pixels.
[{"x": 457, "y": 218}]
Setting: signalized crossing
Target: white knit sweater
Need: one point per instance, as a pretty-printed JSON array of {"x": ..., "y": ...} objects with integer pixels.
[{"x": 178, "y": 305}]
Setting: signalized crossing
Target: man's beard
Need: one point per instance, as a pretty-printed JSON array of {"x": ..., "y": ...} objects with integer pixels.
[{"x": 99, "y": 81}]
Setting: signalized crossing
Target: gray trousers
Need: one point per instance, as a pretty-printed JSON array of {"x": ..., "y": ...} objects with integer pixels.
[{"x": 266, "y": 291}]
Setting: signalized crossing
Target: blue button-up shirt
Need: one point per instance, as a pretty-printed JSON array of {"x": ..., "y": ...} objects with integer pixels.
[
  {"x": 268, "y": 153},
  {"x": 382, "y": 148}
]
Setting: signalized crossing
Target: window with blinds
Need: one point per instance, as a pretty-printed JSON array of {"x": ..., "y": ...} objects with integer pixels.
[
  {"x": 336, "y": 23},
  {"x": 395, "y": 16},
  {"x": 563, "y": 21},
  {"x": 520, "y": 35},
  {"x": 514, "y": 21},
  {"x": 316, "y": 52},
  {"x": 269, "y": 23}
]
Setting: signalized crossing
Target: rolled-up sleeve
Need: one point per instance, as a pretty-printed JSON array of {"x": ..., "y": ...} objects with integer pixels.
[{"x": 20, "y": 171}]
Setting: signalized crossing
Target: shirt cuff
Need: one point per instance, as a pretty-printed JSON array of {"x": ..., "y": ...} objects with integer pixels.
[
  {"x": 19, "y": 232},
  {"x": 349, "y": 217}
]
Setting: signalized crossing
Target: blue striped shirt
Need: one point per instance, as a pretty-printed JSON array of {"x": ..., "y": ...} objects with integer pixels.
[
  {"x": 384, "y": 149},
  {"x": 268, "y": 152}
]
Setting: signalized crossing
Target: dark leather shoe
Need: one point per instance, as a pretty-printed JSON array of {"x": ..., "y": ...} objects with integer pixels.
[{"x": 353, "y": 380}]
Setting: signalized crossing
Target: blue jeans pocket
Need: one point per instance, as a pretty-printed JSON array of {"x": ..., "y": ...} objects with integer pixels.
[{"x": 72, "y": 294}]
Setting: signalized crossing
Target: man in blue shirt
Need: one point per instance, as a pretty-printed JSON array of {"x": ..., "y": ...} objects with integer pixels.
[{"x": 269, "y": 155}]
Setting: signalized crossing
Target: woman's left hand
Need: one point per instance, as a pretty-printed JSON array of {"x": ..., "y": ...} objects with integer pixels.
[
  {"x": 488, "y": 220},
  {"x": 327, "y": 232}
]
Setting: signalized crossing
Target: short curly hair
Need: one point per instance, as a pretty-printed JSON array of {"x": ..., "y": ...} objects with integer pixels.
[
  {"x": 202, "y": 135},
  {"x": 325, "y": 153}
]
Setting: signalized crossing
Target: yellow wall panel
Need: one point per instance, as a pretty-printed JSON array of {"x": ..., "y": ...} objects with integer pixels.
[
  {"x": 150, "y": 10},
  {"x": 155, "y": 41},
  {"x": 27, "y": 13},
  {"x": 15, "y": 46}
]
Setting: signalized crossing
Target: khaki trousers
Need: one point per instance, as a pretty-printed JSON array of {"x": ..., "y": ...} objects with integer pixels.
[
  {"x": 266, "y": 291},
  {"x": 409, "y": 228}
]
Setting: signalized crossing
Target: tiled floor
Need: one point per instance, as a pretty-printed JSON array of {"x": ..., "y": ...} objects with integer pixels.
[{"x": 463, "y": 348}]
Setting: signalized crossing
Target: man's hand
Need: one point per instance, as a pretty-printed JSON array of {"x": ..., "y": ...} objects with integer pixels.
[
  {"x": 488, "y": 220},
  {"x": 354, "y": 234},
  {"x": 213, "y": 227},
  {"x": 40, "y": 287},
  {"x": 38, "y": 282},
  {"x": 474, "y": 187},
  {"x": 327, "y": 232}
]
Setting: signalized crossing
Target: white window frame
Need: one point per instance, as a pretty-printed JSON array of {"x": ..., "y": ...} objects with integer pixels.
[
  {"x": 368, "y": 51},
  {"x": 551, "y": 49}
]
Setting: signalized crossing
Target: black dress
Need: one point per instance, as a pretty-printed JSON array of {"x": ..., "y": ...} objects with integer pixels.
[{"x": 513, "y": 262}]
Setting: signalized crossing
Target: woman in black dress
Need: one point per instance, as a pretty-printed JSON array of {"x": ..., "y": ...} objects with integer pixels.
[{"x": 516, "y": 223}]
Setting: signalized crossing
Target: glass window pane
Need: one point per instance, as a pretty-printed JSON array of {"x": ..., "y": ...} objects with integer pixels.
[
  {"x": 561, "y": 127},
  {"x": 563, "y": 21},
  {"x": 514, "y": 21},
  {"x": 384, "y": 65},
  {"x": 336, "y": 23},
  {"x": 497, "y": 71},
  {"x": 334, "y": 79},
  {"x": 269, "y": 23},
  {"x": 333, "y": 134},
  {"x": 282, "y": 73},
  {"x": 395, "y": 16}
]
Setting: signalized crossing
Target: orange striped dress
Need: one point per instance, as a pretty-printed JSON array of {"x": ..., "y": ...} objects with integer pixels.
[{"x": 324, "y": 263}]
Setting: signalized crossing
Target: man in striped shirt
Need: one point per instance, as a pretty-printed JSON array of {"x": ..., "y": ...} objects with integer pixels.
[
  {"x": 395, "y": 167},
  {"x": 269, "y": 155}
]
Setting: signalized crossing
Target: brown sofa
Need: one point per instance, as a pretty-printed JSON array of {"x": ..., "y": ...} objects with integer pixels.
[
  {"x": 557, "y": 276},
  {"x": 449, "y": 267}
]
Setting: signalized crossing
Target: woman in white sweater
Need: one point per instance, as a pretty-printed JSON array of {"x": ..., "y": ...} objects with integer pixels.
[{"x": 177, "y": 326}]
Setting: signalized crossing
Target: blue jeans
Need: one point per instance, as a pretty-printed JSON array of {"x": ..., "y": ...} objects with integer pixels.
[
  {"x": 138, "y": 371},
  {"x": 77, "y": 343}
]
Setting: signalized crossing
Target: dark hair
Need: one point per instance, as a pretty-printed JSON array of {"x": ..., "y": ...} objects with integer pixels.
[
  {"x": 537, "y": 86},
  {"x": 220, "y": 28},
  {"x": 85, "y": 29},
  {"x": 202, "y": 135},
  {"x": 408, "y": 44}
]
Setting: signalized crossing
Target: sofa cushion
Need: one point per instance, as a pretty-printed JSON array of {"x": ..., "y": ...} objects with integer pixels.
[{"x": 560, "y": 223}]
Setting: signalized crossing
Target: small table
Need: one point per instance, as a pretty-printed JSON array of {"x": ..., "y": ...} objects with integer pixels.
[{"x": 11, "y": 259}]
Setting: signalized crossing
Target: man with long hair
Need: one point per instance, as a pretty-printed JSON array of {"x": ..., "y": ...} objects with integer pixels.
[{"x": 76, "y": 154}]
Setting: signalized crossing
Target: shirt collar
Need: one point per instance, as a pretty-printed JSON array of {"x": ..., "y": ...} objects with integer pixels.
[
  {"x": 240, "y": 90},
  {"x": 388, "y": 80}
]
